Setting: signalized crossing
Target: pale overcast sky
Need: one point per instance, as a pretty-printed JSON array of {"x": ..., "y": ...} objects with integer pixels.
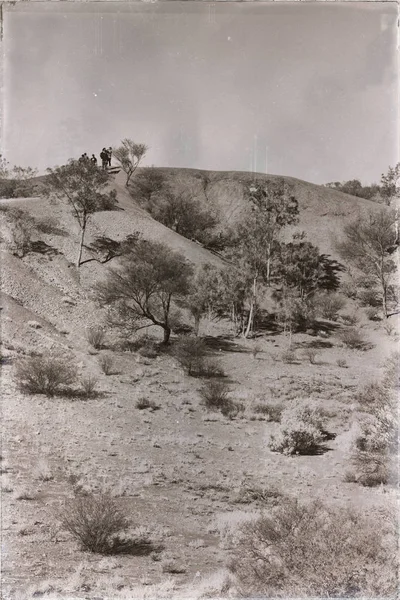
[{"x": 307, "y": 90}]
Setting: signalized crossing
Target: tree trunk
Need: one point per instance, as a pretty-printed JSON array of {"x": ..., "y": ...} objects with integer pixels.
[
  {"x": 197, "y": 319},
  {"x": 252, "y": 308},
  {"x": 249, "y": 322},
  {"x": 384, "y": 301},
  {"x": 81, "y": 244},
  {"x": 167, "y": 335},
  {"x": 268, "y": 274}
]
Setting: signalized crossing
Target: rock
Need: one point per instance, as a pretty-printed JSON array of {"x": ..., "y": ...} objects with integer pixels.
[{"x": 34, "y": 324}]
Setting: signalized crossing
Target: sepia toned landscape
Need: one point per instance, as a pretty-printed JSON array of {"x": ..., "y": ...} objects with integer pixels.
[{"x": 199, "y": 376}]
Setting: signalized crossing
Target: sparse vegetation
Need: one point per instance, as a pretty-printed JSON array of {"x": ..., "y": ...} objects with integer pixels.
[
  {"x": 95, "y": 336},
  {"x": 191, "y": 353},
  {"x": 89, "y": 385},
  {"x": 312, "y": 550},
  {"x": 353, "y": 338},
  {"x": 129, "y": 155},
  {"x": 106, "y": 363},
  {"x": 311, "y": 354},
  {"x": 82, "y": 184},
  {"x": 99, "y": 526},
  {"x": 45, "y": 375},
  {"x": 300, "y": 432}
]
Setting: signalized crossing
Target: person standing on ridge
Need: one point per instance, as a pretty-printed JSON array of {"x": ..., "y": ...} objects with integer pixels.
[
  {"x": 109, "y": 153},
  {"x": 104, "y": 158},
  {"x": 93, "y": 159}
]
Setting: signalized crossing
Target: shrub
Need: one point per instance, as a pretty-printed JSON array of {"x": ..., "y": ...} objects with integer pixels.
[
  {"x": 370, "y": 297},
  {"x": 374, "y": 394},
  {"x": 273, "y": 412},
  {"x": 373, "y": 313},
  {"x": 352, "y": 338},
  {"x": 190, "y": 351},
  {"x": 328, "y": 305},
  {"x": 95, "y": 336},
  {"x": 289, "y": 356},
  {"x": 350, "y": 319},
  {"x": 143, "y": 403},
  {"x": 311, "y": 354},
  {"x": 341, "y": 362},
  {"x": 89, "y": 385},
  {"x": 215, "y": 394},
  {"x": 96, "y": 522},
  {"x": 106, "y": 363},
  {"x": 370, "y": 468},
  {"x": 349, "y": 289},
  {"x": 300, "y": 431},
  {"x": 149, "y": 350},
  {"x": 44, "y": 375},
  {"x": 312, "y": 550}
]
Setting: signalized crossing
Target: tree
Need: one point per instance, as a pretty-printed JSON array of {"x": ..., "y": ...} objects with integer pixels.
[
  {"x": 368, "y": 246},
  {"x": 390, "y": 189},
  {"x": 177, "y": 208},
  {"x": 82, "y": 184},
  {"x": 142, "y": 290},
  {"x": 148, "y": 181},
  {"x": 272, "y": 206},
  {"x": 105, "y": 249},
  {"x": 205, "y": 295},
  {"x": 129, "y": 156},
  {"x": 300, "y": 265},
  {"x": 16, "y": 182}
]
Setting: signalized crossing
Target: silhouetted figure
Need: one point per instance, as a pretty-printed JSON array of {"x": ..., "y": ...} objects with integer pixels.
[
  {"x": 104, "y": 158},
  {"x": 93, "y": 159},
  {"x": 109, "y": 153}
]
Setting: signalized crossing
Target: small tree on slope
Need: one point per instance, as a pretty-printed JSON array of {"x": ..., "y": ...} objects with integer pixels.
[
  {"x": 368, "y": 245},
  {"x": 82, "y": 184},
  {"x": 151, "y": 277},
  {"x": 272, "y": 206},
  {"x": 129, "y": 154}
]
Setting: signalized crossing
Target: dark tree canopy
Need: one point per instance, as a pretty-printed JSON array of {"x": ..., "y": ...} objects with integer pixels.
[
  {"x": 83, "y": 185},
  {"x": 142, "y": 290}
]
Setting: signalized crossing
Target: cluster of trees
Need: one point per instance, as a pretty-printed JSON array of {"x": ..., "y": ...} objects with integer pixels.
[
  {"x": 152, "y": 282},
  {"x": 386, "y": 192},
  {"x": 16, "y": 182}
]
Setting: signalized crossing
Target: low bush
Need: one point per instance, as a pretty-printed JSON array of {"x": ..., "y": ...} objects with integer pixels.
[
  {"x": 272, "y": 412},
  {"x": 95, "y": 336},
  {"x": 89, "y": 385},
  {"x": 328, "y": 305},
  {"x": 149, "y": 350},
  {"x": 301, "y": 431},
  {"x": 341, "y": 362},
  {"x": 311, "y": 354},
  {"x": 45, "y": 375},
  {"x": 191, "y": 351},
  {"x": 289, "y": 356},
  {"x": 373, "y": 313},
  {"x": 370, "y": 297},
  {"x": 312, "y": 550},
  {"x": 215, "y": 394},
  {"x": 143, "y": 403},
  {"x": 100, "y": 526},
  {"x": 106, "y": 364},
  {"x": 370, "y": 469},
  {"x": 352, "y": 338},
  {"x": 350, "y": 319}
]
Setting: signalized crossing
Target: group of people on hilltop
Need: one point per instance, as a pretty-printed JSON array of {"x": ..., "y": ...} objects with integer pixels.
[{"x": 105, "y": 156}]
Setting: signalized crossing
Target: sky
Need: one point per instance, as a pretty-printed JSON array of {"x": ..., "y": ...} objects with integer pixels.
[{"x": 308, "y": 90}]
